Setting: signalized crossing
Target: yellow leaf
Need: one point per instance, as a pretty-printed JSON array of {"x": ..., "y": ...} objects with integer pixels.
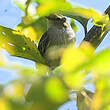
[
  {"x": 56, "y": 91},
  {"x": 97, "y": 101},
  {"x": 72, "y": 58},
  {"x": 30, "y": 32},
  {"x": 74, "y": 81},
  {"x": 42, "y": 70},
  {"x": 3, "y": 104}
]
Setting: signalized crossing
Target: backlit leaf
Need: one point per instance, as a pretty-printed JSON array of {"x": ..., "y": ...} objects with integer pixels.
[
  {"x": 55, "y": 90},
  {"x": 18, "y": 45}
]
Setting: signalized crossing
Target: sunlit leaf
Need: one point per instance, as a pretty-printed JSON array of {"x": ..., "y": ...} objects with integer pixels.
[
  {"x": 18, "y": 45},
  {"x": 38, "y": 26},
  {"x": 80, "y": 14},
  {"x": 30, "y": 32},
  {"x": 49, "y": 7},
  {"x": 42, "y": 70},
  {"x": 4, "y": 105},
  {"x": 102, "y": 96},
  {"x": 43, "y": 1},
  {"x": 38, "y": 94},
  {"x": 83, "y": 12},
  {"x": 101, "y": 62},
  {"x": 56, "y": 91},
  {"x": 74, "y": 57},
  {"x": 74, "y": 81},
  {"x": 103, "y": 21},
  {"x": 67, "y": 9}
]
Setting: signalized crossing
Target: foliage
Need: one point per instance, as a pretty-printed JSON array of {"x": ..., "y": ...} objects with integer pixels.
[{"x": 46, "y": 89}]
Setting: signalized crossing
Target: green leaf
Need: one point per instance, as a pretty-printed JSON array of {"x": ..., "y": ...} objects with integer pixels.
[
  {"x": 98, "y": 63},
  {"x": 44, "y": 94},
  {"x": 18, "y": 45},
  {"x": 82, "y": 12},
  {"x": 78, "y": 13},
  {"x": 56, "y": 91},
  {"x": 43, "y": 1},
  {"x": 39, "y": 26},
  {"x": 79, "y": 56},
  {"x": 83, "y": 15},
  {"x": 101, "y": 62},
  {"x": 52, "y": 7},
  {"x": 83, "y": 21}
]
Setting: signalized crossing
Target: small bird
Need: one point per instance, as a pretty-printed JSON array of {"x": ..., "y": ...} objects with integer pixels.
[{"x": 58, "y": 35}]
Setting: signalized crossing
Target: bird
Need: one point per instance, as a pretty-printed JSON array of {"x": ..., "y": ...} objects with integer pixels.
[{"x": 59, "y": 35}]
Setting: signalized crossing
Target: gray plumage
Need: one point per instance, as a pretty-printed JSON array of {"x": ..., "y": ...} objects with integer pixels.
[{"x": 59, "y": 33}]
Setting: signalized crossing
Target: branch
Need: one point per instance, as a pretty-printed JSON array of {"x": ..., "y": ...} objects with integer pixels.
[
  {"x": 96, "y": 34},
  {"x": 84, "y": 100}
]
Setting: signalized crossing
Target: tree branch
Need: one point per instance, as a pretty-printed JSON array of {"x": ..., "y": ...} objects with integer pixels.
[
  {"x": 96, "y": 34},
  {"x": 84, "y": 100}
]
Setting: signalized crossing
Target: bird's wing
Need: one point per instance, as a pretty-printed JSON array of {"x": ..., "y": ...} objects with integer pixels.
[{"x": 43, "y": 43}]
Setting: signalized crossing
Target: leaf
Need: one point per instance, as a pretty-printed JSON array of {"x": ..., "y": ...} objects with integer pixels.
[
  {"x": 52, "y": 6},
  {"x": 44, "y": 94},
  {"x": 43, "y": 1},
  {"x": 18, "y": 45},
  {"x": 74, "y": 81},
  {"x": 55, "y": 90},
  {"x": 83, "y": 59},
  {"x": 101, "y": 62},
  {"x": 101, "y": 99},
  {"x": 82, "y": 12},
  {"x": 77, "y": 56},
  {"x": 4, "y": 105},
  {"x": 83, "y": 21},
  {"x": 37, "y": 27},
  {"x": 83, "y": 15},
  {"x": 78, "y": 13}
]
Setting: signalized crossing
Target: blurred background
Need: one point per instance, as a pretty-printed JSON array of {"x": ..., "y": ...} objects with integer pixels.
[{"x": 10, "y": 16}]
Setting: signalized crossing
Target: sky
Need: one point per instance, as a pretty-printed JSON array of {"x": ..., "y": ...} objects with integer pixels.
[{"x": 10, "y": 16}]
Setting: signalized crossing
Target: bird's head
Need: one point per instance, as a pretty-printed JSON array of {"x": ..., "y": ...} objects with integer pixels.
[{"x": 55, "y": 19}]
